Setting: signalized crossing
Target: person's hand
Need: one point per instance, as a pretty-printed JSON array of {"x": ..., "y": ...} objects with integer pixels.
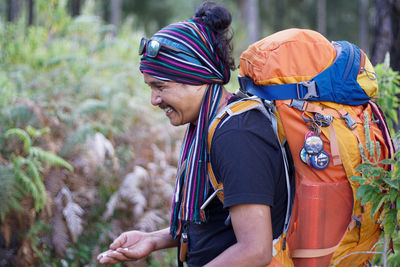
[{"x": 132, "y": 245}]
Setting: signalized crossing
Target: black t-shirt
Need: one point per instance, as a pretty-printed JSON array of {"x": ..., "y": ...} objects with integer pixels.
[{"x": 246, "y": 157}]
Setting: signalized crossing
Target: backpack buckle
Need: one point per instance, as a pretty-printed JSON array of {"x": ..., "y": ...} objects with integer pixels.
[
  {"x": 311, "y": 89},
  {"x": 349, "y": 121}
]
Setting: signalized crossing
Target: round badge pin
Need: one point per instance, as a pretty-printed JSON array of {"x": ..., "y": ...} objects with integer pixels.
[
  {"x": 313, "y": 145},
  {"x": 320, "y": 161},
  {"x": 308, "y": 134},
  {"x": 305, "y": 157}
]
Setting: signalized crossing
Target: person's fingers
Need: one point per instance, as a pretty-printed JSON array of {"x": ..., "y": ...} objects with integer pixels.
[
  {"x": 118, "y": 243},
  {"x": 112, "y": 257},
  {"x": 104, "y": 253},
  {"x": 118, "y": 256},
  {"x": 131, "y": 253}
]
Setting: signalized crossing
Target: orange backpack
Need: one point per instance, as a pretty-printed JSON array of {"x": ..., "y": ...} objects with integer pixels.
[{"x": 318, "y": 93}]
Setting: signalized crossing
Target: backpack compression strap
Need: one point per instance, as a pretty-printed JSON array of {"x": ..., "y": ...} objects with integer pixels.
[{"x": 341, "y": 74}]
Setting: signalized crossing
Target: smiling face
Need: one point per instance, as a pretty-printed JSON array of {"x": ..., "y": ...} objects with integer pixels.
[{"x": 181, "y": 102}]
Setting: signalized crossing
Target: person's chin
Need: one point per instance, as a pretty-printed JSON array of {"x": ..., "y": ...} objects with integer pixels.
[
  {"x": 175, "y": 123},
  {"x": 175, "y": 120}
]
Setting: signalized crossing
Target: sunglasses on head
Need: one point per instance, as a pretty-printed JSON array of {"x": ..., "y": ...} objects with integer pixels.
[{"x": 152, "y": 48}]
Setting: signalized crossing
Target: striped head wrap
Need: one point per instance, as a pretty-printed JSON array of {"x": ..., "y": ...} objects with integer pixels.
[
  {"x": 196, "y": 39},
  {"x": 192, "y": 186}
]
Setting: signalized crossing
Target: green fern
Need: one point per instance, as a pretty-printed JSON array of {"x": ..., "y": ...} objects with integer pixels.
[
  {"x": 389, "y": 89},
  {"x": 33, "y": 172},
  {"x": 36, "y": 133},
  {"x": 19, "y": 116},
  {"x": 29, "y": 186},
  {"x": 10, "y": 194},
  {"x": 48, "y": 157},
  {"x": 22, "y": 135},
  {"x": 27, "y": 171}
]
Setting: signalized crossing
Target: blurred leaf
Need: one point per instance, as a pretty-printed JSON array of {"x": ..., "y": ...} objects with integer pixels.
[
  {"x": 377, "y": 204},
  {"x": 390, "y": 222}
]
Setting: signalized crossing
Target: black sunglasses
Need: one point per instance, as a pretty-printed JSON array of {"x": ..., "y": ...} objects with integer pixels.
[{"x": 152, "y": 48}]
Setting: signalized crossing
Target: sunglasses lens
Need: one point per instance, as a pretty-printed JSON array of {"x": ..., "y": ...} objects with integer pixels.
[
  {"x": 152, "y": 48},
  {"x": 142, "y": 46}
]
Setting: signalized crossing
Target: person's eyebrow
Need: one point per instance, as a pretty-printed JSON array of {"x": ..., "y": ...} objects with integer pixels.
[{"x": 156, "y": 83}]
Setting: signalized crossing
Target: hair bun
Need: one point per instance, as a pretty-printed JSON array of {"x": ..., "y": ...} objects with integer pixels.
[{"x": 216, "y": 17}]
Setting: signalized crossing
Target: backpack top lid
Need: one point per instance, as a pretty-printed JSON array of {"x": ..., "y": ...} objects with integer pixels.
[
  {"x": 287, "y": 56},
  {"x": 286, "y": 64}
]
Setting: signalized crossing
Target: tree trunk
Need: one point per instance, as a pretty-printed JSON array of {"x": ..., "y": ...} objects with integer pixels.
[
  {"x": 395, "y": 50},
  {"x": 382, "y": 31},
  {"x": 13, "y": 10},
  {"x": 363, "y": 19},
  {"x": 250, "y": 15},
  {"x": 387, "y": 36},
  {"x": 31, "y": 4},
  {"x": 253, "y": 21},
  {"x": 115, "y": 14},
  {"x": 76, "y": 7},
  {"x": 321, "y": 17}
]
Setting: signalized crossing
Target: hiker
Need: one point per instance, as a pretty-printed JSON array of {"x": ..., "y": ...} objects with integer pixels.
[{"x": 186, "y": 65}]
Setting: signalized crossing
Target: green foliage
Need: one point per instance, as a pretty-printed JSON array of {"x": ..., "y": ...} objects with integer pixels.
[
  {"x": 26, "y": 167},
  {"x": 61, "y": 82},
  {"x": 379, "y": 187},
  {"x": 389, "y": 90}
]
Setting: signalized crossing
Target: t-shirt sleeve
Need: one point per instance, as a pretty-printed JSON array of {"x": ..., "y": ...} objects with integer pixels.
[{"x": 246, "y": 158}]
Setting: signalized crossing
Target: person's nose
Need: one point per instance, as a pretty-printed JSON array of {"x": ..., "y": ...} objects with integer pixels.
[{"x": 155, "y": 97}]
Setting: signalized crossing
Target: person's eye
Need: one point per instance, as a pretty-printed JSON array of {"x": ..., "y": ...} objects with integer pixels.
[{"x": 160, "y": 87}]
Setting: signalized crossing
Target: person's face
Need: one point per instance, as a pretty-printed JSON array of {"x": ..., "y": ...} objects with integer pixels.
[{"x": 181, "y": 102}]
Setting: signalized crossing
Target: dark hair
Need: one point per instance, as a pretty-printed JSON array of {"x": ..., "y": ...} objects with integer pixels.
[{"x": 218, "y": 19}]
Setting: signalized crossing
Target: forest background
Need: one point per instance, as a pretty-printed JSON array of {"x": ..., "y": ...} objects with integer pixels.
[{"x": 83, "y": 154}]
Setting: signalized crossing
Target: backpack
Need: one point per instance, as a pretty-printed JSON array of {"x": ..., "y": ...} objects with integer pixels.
[{"x": 317, "y": 95}]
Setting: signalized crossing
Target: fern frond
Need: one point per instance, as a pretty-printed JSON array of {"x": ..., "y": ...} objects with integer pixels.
[
  {"x": 29, "y": 186},
  {"x": 59, "y": 230},
  {"x": 72, "y": 213},
  {"x": 37, "y": 179},
  {"x": 22, "y": 135},
  {"x": 50, "y": 158},
  {"x": 9, "y": 193},
  {"x": 35, "y": 133},
  {"x": 19, "y": 116},
  {"x": 111, "y": 205}
]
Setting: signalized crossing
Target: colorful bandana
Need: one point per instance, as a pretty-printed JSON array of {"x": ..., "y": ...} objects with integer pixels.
[
  {"x": 192, "y": 186},
  {"x": 198, "y": 40}
]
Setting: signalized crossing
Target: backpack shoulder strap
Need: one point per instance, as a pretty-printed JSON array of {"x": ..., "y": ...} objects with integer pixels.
[
  {"x": 236, "y": 108},
  {"x": 230, "y": 110}
]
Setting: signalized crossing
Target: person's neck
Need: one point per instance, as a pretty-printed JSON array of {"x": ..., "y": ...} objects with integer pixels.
[{"x": 224, "y": 99}]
